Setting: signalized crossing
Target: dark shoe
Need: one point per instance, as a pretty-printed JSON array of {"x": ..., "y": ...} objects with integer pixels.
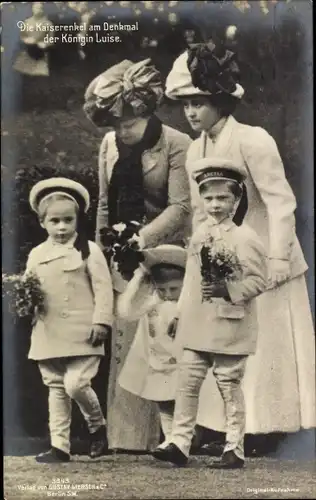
[
  {"x": 195, "y": 450},
  {"x": 54, "y": 455},
  {"x": 170, "y": 453},
  {"x": 228, "y": 461},
  {"x": 99, "y": 443},
  {"x": 214, "y": 449}
]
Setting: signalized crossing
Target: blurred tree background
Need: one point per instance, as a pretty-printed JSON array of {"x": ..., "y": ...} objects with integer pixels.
[{"x": 45, "y": 132}]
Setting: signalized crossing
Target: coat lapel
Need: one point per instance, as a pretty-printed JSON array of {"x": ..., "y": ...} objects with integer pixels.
[
  {"x": 49, "y": 252},
  {"x": 111, "y": 155},
  {"x": 223, "y": 142},
  {"x": 150, "y": 157}
]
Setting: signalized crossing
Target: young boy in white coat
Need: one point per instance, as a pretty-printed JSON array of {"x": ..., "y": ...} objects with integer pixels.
[
  {"x": 67, "y": 337},
  {"x": 220, "y": 334},
  {"x": 150, "y": 369}
]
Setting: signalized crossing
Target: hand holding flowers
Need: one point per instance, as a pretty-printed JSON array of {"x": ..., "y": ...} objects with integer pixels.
[
  {"x": 24, "y": 293},
  {"x": 216, "y": 289},
  {"x": 219, "y": 264}
]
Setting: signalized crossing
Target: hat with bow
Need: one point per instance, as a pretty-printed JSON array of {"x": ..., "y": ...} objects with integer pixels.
[
  {"x": 204, "y": 69},
  {"x": 136, "y": 86}
]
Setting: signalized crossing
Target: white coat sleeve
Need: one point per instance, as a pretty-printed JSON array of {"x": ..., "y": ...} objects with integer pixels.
[
  {"x": 190, "y": 273},
  {"x": 31, "y": 262},
  {"x": 138, "y": 298},
  {"x": 198, "y": 212},
  {"x": 101, "y": 283},
  {"x": 102, "y": 209},
  {"x": 265, "y": 165},
  {"x": 254, "y": 262}
]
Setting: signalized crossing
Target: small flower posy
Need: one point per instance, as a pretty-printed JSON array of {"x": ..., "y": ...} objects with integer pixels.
[
  {"x": 26, "y": 297},
  {"x": 121, "y": 245},
  {"x": 218, "y": 263}
]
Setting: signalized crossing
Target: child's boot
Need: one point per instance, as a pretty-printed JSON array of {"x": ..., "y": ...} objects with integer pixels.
[
  {"x": 229, "y": 460},
  {"x": 99, "y": 443},
  {"x": 54, "y": 455}
]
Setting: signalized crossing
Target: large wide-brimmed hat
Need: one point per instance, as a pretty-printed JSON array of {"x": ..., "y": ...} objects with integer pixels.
[
  {"x": 142, "y": 287},
  {"x": 204, "y": 70},
  {"x": 165, "y": 254},
  {"x": 59, "y": 185},
  {"x": 138, "y": 85}
]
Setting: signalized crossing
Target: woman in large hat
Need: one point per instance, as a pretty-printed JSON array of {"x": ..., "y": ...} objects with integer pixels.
[
  {"x": 142, "y": 178},
  {"x": 280, "y": 380}
]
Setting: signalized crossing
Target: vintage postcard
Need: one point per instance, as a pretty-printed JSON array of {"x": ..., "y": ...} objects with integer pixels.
[{"x": 158, "y": 249}]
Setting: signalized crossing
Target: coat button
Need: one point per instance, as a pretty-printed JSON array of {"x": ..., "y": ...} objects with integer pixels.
[
  {"x": 66, "y": 298},
  {"x": 64, "y": 314}
]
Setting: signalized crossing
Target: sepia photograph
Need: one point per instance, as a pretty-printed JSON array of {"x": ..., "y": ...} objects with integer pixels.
[{"x": 157, "y": 230}]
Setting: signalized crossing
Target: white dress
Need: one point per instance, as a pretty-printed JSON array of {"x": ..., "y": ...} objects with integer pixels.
[{"x": 150, "y": 369}]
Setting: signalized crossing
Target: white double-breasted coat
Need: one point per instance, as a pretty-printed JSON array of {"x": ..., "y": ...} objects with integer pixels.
[
  {"x": 219, "y": 326},
  {"x": 77, "y": 294},
  {"x": 149, "y": 370}
]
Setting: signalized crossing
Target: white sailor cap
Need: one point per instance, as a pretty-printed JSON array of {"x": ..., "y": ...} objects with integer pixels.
[{"x": 60, "y": 185}]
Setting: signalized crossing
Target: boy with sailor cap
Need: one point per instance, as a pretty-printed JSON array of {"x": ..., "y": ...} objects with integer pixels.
[
  {"x": 206, "y": 79},
  {"x": 67, "y": 337},
  {"x": 219, "y": 334}
]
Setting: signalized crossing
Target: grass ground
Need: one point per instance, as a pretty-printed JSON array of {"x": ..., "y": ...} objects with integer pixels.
[{"x": 140, "y": 477}]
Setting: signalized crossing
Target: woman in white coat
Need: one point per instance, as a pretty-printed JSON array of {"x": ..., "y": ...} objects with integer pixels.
[{"x": 279, "y": 383}]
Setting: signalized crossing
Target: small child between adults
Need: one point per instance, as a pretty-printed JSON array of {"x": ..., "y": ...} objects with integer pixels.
[
  {"x": 150, "y": 369},
  {"x": 67, "y": 337},
  {"x": 221, "y": 333}
]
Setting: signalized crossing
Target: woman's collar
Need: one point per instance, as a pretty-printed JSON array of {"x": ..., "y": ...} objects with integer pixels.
[{"x": 214, "y": 132}]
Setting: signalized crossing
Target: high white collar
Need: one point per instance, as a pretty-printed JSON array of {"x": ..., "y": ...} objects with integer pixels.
[
  {"x": 214, "y": 132},
  {"x": 226, "y": 224},
  {"x": 69, "y": 244}
]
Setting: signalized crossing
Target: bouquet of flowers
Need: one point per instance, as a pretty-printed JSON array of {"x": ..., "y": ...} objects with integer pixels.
[
  {"x": 121, "y": 243},
  {"x": 218, "y": 263},
  {"x": 24, "y": 294}
]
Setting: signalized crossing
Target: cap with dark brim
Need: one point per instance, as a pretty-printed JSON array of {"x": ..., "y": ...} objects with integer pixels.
[
  {"x": 212, "y": 168},
  {"x": 225, "y": 174}
]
